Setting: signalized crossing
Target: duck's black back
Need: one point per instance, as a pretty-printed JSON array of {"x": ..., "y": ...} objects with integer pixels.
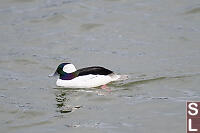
[{"x": 96, "y": 70}]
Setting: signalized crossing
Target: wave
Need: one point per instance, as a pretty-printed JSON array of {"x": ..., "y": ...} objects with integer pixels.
[{"x": 145, "y": 80}]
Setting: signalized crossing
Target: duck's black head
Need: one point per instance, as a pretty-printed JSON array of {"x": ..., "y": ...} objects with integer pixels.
[{"x": 64, "y": 69}]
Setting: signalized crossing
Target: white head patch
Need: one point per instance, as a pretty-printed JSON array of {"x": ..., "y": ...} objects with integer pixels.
[{"x": 69, "y": 68}]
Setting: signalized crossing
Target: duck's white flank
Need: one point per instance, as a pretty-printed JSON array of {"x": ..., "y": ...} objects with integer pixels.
[{"x": 90, "y": 81}]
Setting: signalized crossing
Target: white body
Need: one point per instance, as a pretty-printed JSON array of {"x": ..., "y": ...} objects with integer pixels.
[{"x": 88, "y": 81}]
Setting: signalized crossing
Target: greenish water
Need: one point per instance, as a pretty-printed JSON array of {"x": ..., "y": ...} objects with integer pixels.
[{"x": 155, "y": 42}]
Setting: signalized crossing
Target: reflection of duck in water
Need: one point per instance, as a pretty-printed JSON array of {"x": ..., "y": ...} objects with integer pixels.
[
  {"x": 63, "y": 103},
  {"x": 87, "y": 77}
]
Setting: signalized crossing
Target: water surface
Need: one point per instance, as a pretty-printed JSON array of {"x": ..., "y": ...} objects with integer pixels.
[{"x": 155, "y": 42}]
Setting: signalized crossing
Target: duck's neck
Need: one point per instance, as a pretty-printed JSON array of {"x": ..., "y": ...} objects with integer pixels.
[{"x": 68, "y": 76}]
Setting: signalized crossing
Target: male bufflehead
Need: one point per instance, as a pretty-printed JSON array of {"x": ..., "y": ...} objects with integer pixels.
[{"x": 88, "y": 77}]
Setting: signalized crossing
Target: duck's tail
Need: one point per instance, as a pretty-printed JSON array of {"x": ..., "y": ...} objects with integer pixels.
[
  {"x": 122, "y": 77},
  {"x": 116, "y": 77}
]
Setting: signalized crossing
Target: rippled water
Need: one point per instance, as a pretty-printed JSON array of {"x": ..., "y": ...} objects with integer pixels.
[{"x": 155, "y": 42}]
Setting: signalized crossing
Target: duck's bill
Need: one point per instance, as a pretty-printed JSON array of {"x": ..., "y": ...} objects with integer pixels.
[{"x": 53, "y": 74}]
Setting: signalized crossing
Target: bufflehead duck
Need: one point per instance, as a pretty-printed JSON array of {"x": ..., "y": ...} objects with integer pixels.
[{"x": 88, "y": 77}]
